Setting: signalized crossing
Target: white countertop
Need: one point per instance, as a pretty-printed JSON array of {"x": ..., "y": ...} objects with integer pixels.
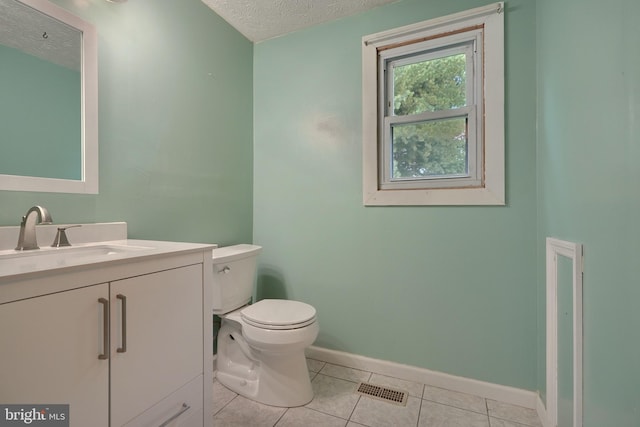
[
  {"x": 15, "y": 265},
  {"x": 97, "y": 245}
]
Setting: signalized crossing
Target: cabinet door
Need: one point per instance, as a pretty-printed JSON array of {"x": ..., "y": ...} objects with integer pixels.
[
  {"x": 49, "y": 353},
  {"x": 156, "y": 338}
]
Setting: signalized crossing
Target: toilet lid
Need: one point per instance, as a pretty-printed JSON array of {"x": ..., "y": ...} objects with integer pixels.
[{"x": 279, "y": 314}]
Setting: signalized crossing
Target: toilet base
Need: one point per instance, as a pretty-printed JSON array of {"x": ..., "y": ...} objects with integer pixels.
[
  {"x": 278, "y": 381},
  {"x": 275, "y": 379}
]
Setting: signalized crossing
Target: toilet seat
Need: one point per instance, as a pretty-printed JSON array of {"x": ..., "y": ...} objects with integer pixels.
[{"x": 279, "y": 314}]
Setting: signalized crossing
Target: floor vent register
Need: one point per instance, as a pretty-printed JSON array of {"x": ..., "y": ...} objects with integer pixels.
[{"x": 386, "y": 394}]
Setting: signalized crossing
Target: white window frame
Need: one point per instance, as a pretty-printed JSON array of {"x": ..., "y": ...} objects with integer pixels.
[
  {"x": 466, "y": 42},
  {"x": 485, "y": 185}
]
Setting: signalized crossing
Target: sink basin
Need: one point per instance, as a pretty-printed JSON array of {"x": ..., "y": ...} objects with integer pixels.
[
  {"x": 47, "y": 257},
  {"x": 72, "y": 252}
]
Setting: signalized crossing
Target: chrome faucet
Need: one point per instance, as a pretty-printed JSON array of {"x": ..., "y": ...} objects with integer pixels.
[{"x": 27, "y": 239}]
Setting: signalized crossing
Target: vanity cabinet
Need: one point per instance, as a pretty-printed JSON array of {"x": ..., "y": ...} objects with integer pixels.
[
  {"x": 49, "y": 353},
  {"x": 150, "y": 368},
  {"x": 156, "y": 340}
]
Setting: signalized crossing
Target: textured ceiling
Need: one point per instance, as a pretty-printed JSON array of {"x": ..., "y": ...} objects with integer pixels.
[
  {"x": 264, "y": 19},
  {"x": 32, "y": 32}
]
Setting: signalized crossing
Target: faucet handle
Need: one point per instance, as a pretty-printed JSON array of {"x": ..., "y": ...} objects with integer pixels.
[{"x": 61, "y": 237}]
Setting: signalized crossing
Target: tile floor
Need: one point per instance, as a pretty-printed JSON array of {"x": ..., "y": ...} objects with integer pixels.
[{"x": 336, "y": 403}]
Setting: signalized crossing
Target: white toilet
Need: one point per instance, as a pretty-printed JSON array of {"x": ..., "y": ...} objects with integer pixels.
[{"x": 260, "y": 346}]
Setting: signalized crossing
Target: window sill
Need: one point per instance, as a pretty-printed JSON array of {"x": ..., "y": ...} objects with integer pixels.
[{"x": 434, "y": 197}]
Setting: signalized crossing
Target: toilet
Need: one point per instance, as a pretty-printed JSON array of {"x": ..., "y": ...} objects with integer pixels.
[{"x": 260, "y": 346}]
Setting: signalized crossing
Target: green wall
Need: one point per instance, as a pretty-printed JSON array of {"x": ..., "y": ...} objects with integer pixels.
[
  {"x": 588, "y": 174},
  {"x": 452, "y": 289},
  {"x": 175, "y": 113}
]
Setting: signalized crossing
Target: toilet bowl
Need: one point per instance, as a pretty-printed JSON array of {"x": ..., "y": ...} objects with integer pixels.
[{"x": 260, "y": 346}]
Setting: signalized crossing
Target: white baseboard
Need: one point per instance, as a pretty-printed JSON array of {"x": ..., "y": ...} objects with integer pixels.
[
  {"x": 514, "y": 396},
  {"x": 542, "y": 412}
]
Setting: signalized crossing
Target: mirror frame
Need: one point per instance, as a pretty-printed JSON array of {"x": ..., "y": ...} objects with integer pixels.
[
  {"x": 574, "y": 252},
  {"x": 88, "y": 183}
]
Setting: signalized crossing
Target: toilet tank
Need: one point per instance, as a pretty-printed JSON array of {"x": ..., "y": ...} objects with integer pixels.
[{"x": 234, "y": 273}]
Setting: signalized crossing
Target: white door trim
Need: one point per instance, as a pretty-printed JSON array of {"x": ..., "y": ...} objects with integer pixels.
[{"x": 574, "y": 252}]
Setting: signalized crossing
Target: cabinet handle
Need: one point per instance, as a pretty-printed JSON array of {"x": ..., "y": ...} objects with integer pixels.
[
  {"x": 182, "y": 410},
  {"x": 105, "y": 329},
  {"x": 123, "y": 349}
]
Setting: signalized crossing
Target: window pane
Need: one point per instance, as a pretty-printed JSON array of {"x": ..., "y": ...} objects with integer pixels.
[
  {"x": 430, "y": 85},
  {"x": 434, "y": 148}
]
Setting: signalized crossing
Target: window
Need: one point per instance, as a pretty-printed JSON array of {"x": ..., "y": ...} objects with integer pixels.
[{"x": 433, "y": 114}]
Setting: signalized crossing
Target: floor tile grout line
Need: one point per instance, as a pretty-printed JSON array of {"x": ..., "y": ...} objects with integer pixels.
[
  {"x": 354, "y": 409},
  {"x": 327, "y": 413},
  {"x": 419, "y": 409},
  {"x": 455, "y": 407},
  {"x": 339, "y": 378},
  {"x": 522, "y": 423},
  {"x": 424, "y": 387},
  {"x": 226, "y": 404},
  {"x": 357, "y": 381},
  {"x": 344, "y": 366},
  {"x": 486, "y": 405},
  {"x": 281, "y": 416}
]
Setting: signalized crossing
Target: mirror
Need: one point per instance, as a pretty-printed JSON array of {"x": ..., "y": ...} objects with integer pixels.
[
  {"x": 49, "y": 106},
  {"x": 564, "y": 269}
]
